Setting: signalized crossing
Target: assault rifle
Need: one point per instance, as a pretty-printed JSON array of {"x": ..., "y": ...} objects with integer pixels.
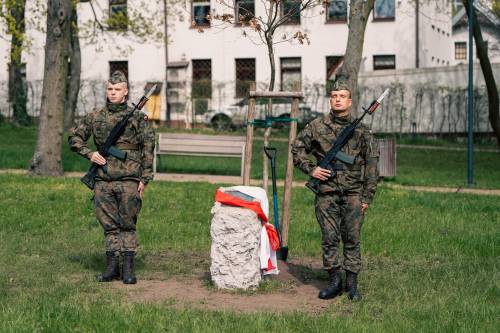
[
  {"x": 334, "y": 153},
  {"x": 108, "y": 148}
]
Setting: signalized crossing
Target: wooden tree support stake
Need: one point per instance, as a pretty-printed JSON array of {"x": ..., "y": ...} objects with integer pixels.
[{"x": 296, "y": 96}]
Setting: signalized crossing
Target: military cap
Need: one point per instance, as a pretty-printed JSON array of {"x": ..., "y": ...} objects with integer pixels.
[
  {"x": 341, "y": 84},
  {"x": 117, "y": 77}
]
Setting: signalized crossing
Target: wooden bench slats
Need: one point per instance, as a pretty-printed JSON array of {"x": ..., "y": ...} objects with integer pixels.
[
  {"x": 170, "y": 136},
  {"x": 201, "y": 154},
  {"x": 170, "y": 149},
  {"x": 194, "y": 143},
  {"x": 201, "y": 145}
]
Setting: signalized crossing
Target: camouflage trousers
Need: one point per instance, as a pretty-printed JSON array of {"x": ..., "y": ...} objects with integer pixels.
[
  {"x": 340, "y": 219},
  {"x": 117, "y": 205}
]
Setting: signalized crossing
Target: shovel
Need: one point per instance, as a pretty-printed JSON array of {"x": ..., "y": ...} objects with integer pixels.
[{"x": 282, "y": 252}]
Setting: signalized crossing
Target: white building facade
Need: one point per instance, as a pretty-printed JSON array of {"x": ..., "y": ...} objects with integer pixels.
[{"x": 210, "y": 63}]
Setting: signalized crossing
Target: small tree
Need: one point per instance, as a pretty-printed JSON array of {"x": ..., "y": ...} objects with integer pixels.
[{"x": 277, "y": 14}]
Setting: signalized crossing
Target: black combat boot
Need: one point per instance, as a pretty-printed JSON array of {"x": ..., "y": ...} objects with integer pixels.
[
  {"x": 112, "y": 271},
  {"x": 334, "y": 287},
  {"x": 351, "y": 286},
  {"x": 128, "y": 268}
]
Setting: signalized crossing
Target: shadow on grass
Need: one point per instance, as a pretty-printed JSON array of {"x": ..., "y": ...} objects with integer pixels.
[
  {"x": 96, "y": 262},
  {"x": 307, "y": 275}
]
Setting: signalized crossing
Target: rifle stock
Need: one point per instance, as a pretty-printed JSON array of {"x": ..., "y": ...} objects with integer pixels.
[{"x": 89, "y": 178}]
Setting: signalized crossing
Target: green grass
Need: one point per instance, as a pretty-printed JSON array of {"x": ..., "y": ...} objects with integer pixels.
[
  {"x": 431, "y": 262},
  {"x": 446, "y": 168},
  {"x": 458, "y": 142},
  {"x": 414, "y": 166}
]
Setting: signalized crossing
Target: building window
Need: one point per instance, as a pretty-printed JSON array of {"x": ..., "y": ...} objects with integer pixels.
[
  {"x": 460, "y": 50},
  {"x": 384, "y": 10},
  {"x": 290, "y": 73},
  {"x": 337, "y": 11},
  {"x": 199, "y": 13},
  {"x": 118, "y": 15},
  {"x": 333, "y": 65},
  {"x": 118, "y": 66},
  {"x": 245, "y": 75},
  {"x": 202, "y": 79},
  {"x": 292, "y": 9},
  {"x": 384, "y": 62},
  {"x": 245, "y": 10}
]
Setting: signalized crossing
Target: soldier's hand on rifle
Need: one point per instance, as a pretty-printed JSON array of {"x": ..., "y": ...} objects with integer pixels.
[
  {"x": 364, "y": 207},
  {"x": 140, "y": 189},
  {"x": 97, "y": 158},
  {"x": 321, "y": 174}
]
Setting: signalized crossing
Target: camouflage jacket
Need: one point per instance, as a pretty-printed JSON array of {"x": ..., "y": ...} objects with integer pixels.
[
  {"x": 317, "y": 138},
  {"x": 139, "y": 162}
]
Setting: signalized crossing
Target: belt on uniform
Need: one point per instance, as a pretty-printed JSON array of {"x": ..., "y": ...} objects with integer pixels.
[{"x": 127, "y": 146}]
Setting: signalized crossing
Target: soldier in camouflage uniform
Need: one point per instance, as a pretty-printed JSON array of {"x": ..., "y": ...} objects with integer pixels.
[
  {"x": 118, "y": 192},
  {"x": 343, "y": 199}
]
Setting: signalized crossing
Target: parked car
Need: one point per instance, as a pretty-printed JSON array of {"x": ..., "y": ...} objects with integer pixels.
[
  {"x": 226, "y": 118},
  {"x": 235, "y": 116}
]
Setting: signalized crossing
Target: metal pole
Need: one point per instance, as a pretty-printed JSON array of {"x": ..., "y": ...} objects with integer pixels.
[{"x": 470, "y": 100}]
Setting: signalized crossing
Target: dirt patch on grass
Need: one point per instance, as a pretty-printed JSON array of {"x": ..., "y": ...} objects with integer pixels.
[{"x": 294, "y": 289}]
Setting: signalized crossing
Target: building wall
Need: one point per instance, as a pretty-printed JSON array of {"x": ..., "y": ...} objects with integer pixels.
[
  {"x": 435, "y": 34},
  {"x": 426, "y": 100},
  {"x": 223, "y": 44},
  {"x": 492, "y": 37},
  {"x": 146, "y": 61}
]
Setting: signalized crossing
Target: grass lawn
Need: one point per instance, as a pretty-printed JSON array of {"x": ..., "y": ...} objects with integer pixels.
[
  {"x": 431, "y": 263},
  {"x": 414, "y": 166}
]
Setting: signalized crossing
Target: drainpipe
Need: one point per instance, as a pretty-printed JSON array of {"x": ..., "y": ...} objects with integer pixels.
[{"x": 417, "y": 60}]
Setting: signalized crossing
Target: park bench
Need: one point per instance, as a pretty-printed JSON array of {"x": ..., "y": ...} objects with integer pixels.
[{"x": 200, "y": 145}]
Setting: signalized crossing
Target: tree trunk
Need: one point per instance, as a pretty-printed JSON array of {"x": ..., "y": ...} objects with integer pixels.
[
  {"x": 489, "y": 78},
  {"x": 75, "y": 59},
  {"x": 267, "y": 131},
  {"x": 358, "y": 17},
  {"x": 47, "y": 157},
  {"x": 17, "y": 84},
  {"x": 272, "y": 62}
]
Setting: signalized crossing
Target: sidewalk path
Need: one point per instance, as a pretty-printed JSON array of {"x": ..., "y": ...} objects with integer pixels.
[
  {"x": 236, "y": 180},
  {"x": 490, "y": 150}
]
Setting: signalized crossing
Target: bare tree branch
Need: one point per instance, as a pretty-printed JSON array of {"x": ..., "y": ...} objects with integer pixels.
[{"x": 96, "y": 20}]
